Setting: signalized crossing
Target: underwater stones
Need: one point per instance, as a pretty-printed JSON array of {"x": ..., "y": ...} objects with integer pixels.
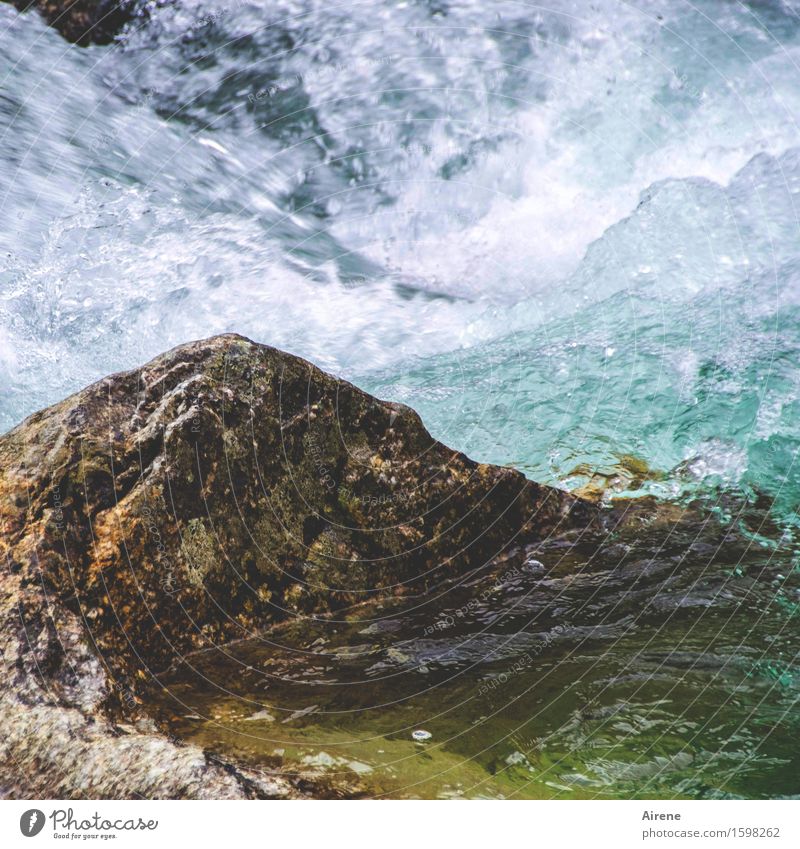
[
  {"x": 83, "y": 21},
  {"x": 219, "y": 488}
]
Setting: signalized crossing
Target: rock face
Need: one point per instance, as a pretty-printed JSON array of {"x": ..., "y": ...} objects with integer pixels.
[
  {"x": 83, "y": 21},
  {"x": 220, "y": 488}
]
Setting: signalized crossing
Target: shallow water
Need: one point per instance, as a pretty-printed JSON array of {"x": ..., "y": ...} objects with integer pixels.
[
  {"x": 568, "y": 236},
  {"x": 657, "y": 663}
]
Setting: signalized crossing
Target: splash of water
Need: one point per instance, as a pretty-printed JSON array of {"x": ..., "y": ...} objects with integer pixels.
[{"x": 566, "y": 236}]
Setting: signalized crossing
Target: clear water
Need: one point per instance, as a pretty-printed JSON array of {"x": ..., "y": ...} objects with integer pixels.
[
  {"x": 659, "y": 664},
  {"x": 566, "y": 234}
]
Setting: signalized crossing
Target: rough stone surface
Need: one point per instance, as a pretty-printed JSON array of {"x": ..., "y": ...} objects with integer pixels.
[
  {"x": 220, "y": 488},
  {"x": 83, "y": 21}
]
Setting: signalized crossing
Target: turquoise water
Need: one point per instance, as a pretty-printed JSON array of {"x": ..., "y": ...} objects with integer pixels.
[{"x": 567, "y": 235}]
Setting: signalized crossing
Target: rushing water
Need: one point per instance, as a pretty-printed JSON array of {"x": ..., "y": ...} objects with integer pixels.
[{"x": 566, "y": 234}]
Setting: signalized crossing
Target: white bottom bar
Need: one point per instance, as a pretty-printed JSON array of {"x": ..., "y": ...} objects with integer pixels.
[{"x": 353, "y": 825}]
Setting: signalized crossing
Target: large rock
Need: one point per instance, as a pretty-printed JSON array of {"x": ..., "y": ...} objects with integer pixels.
[
  {"x": 83, "y": 21},
  {"x": 220, "y": 488}
]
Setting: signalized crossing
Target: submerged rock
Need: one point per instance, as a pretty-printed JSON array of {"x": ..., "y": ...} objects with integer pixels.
[
  {"x": 83, "y": 21},
  {"x": 220, "y": 488}
]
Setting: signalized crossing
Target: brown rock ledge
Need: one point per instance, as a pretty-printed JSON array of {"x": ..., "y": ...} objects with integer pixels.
[
  {"x": 222, "y": 487},
  {"x": 83, "y": 22}
]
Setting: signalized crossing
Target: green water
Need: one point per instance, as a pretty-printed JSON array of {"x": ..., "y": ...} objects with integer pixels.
[{"x": 659, "y": 663}]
